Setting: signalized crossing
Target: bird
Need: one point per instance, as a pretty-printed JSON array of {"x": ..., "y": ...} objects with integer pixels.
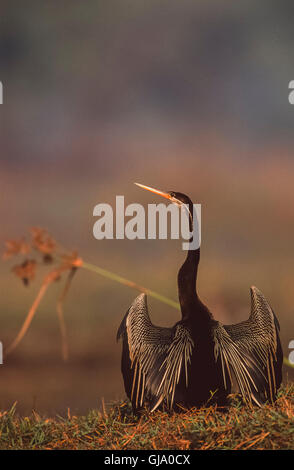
[{"x": 198, "y": 360}]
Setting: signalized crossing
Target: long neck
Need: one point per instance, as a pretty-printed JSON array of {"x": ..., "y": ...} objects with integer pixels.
[{"x": 187, "y": 276}]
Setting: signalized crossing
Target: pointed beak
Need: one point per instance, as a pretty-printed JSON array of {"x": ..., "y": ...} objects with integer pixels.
[{"x": 156, "y": 191}]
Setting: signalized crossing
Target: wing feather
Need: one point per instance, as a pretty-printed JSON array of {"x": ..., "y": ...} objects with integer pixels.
[
  {"x": 157, "y": 356},
  {"x": 251, "y": 351}
]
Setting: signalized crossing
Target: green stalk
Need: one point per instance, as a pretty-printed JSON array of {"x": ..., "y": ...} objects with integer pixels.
[
  {"x": 127, "y": 282},
  {"x": 286, "y": 362}
]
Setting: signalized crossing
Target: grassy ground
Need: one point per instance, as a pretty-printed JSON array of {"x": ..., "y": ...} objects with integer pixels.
[{"x": 271, "y": 427}]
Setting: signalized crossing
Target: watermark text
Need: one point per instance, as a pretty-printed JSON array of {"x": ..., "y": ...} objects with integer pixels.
[{"x": 133, "y": 222}]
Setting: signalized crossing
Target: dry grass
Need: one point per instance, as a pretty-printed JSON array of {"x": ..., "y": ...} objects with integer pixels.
[{"x": 238, "y": 427}]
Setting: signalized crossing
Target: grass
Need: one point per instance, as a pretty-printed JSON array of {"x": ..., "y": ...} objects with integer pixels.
[{"x": 238, "y": 427}]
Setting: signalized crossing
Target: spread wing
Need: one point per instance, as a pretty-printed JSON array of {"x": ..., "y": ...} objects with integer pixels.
[
  {"x": 157, "y": 356},
  {"x": 251, "y": 351}
]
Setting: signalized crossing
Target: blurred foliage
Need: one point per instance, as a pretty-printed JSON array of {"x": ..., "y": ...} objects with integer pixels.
[{"x": 87, "y": 67}]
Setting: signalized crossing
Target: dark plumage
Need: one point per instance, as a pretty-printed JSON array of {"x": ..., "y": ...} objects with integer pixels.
[{"x": 196, "y": 360}]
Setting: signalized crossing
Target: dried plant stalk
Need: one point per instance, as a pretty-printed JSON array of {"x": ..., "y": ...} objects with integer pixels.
[
  {"x": 59, "y": 308},
  {"x": 51, "y": 277}
]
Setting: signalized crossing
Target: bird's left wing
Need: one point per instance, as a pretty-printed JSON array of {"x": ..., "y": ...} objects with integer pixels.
[
  {"x": 157, "y": 355},
  {"x": 251, "y": 351}
]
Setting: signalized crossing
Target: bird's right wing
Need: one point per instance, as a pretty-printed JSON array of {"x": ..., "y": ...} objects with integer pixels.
[
  {"x": 157, "y": 355},
  {"x": 251, "y": 350}
]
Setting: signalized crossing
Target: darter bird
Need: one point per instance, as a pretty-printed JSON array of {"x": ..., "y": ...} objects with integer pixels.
[{"x": 196, "y": 360}]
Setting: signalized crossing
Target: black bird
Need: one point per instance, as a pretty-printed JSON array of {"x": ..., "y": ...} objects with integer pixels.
[{"x": 195, "y": 361}]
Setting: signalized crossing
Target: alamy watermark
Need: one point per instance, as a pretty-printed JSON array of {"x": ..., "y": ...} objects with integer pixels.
[
  {"x": 291, "y": 94},
  {"x": 148, "y": 225},
  {"x": 291, "y": 355}
]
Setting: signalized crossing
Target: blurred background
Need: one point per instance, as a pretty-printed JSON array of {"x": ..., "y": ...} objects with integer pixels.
[{"x": 179, "y": 95}]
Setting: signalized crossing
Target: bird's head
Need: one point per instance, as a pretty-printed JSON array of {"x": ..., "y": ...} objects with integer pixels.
[
  {"x": 184, "y": 202},
  {"x": 174, "y": 197}
]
